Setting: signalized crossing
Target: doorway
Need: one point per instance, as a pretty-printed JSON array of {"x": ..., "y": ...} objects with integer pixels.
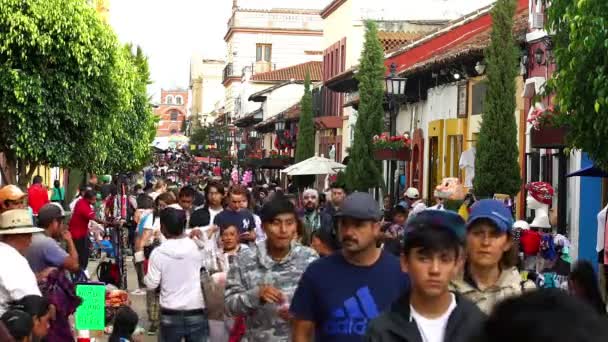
[{"x": 433, "y": 165}]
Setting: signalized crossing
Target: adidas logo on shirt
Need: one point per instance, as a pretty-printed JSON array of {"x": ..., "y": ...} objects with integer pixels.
[{"x": 352, "y": 318}]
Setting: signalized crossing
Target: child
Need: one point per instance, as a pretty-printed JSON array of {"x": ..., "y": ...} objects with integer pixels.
[
  {"x": 393, "y": 232},
  {"x": 19, "y": 325},
  {"x": 396, "y": 228},
  {"x": 429, "y": 311},
  {"x": 125, "y": 323}
]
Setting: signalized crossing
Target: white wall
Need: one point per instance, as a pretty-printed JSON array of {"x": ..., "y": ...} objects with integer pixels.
[
  {"x": 282, "y": 98},
  {"x": 287, "y": 50},
  {"x": 441, "y": 104}
]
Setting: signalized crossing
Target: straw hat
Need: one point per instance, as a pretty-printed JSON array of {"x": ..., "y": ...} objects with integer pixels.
[
  {"x": 12, "y": 193},
  {"x": 17, "y": 221}
]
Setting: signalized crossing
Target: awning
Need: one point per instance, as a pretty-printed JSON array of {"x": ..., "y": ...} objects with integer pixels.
[
  {"x": 533, "y": 86},
  {"x": 589, "y": 171}
]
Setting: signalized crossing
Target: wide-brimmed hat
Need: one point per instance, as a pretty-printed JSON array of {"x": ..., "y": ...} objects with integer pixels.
[
  {"x": 11, "y": 193},
  {"x": 17, "y": 221}
]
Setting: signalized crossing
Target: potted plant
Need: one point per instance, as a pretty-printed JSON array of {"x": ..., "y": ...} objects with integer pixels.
[
  {"x": 545, "y": 133},
  {"x": 388, "y": 147}
]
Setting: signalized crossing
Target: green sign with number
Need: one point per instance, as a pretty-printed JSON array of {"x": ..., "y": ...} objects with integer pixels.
[{"x": 91, "y": 314}]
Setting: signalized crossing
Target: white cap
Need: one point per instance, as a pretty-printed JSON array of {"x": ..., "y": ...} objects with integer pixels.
[
  {"x": 412, "y": 193},
  {"x": 521, "y": 224}
]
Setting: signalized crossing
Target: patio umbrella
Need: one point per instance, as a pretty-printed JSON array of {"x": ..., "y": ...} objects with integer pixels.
[
  {"x": 314, "y": 166},
  {"x": 589, "y": 171}
]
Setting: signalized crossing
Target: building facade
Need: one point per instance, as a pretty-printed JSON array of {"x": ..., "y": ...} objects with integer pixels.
[
  {"x": 172, "y": 112},
  {"x": 260, "y": 40},
  {"x": 206, "y": 88}
]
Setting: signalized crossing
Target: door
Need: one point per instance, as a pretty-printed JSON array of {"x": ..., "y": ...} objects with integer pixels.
[{"x": 433, "y": 165}]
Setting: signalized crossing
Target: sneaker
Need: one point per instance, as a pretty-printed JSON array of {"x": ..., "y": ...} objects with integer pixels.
[
  {"x": 138, "y": 292},
  {"x": 152, "y": 329}
]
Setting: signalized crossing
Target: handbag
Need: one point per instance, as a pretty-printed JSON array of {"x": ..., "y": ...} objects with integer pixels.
[
  {"x": 213, "y": 294},
  {"x": 149, "y": 248}
]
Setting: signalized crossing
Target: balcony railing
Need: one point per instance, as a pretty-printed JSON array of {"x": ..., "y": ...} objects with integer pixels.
[{"x": 228, "y": 72}]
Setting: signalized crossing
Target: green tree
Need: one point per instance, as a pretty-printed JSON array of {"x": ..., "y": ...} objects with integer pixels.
[
  {"x": 305, "y": 145},
  {"x": 581, "y": 80},
  {"x": 56, "y": 62},
  {"x": 363, "y": 172},
  {"x": 496, "y": 166},
  {"x": 70, "y": 95}
]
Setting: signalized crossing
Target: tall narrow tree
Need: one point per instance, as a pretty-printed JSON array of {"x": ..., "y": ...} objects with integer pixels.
[
  {"x": 497, "y": 168},
  {"x": 305, "y": 146},
  {"x": 363, "y": 172}
]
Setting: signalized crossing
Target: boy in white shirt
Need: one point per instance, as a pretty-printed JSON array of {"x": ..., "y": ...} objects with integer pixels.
[{"x": 429, "y": 312}]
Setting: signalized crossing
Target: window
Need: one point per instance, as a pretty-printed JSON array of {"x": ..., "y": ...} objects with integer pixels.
[
  {"x": 263, "y": 53},
  {"x": 169, "y": 99},
  {"x": 179, "y": 100},
  {"x": 479, "y": 97},
  {"x": 174, "y": 115}
]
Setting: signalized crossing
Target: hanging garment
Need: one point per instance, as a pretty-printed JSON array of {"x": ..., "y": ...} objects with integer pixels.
[
  {"x": 467, "y": 162},
  {"x": 601, "y": 228}
]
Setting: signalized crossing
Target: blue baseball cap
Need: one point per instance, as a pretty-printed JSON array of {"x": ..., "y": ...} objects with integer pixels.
[
  {"x": 493, "y": 210},
  {"x": 441, "y": 218}
]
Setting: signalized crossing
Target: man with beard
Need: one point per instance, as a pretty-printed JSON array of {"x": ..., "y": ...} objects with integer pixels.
[
  {"x": 312, "y": 217},
  {"x": 338, "y": 295}
]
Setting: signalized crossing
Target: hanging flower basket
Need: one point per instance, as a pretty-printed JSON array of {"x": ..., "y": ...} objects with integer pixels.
[
  {"x": 392, "y": 147},
  {"x": 389, "y": 154}
]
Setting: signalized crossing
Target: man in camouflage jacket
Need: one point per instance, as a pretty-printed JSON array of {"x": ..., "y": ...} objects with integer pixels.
[{"x": 263, "y": 281}]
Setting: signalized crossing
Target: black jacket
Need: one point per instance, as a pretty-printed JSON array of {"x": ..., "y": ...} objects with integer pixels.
[{"x": 464, "y": 323}]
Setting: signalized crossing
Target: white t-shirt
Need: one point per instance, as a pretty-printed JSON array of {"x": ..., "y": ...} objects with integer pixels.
[
  {"x": 16, "y": 277},
  {"x": 213, "y": 213},
  {"x": 467, "y": 162},
  {"x": 433, "y": 330}
]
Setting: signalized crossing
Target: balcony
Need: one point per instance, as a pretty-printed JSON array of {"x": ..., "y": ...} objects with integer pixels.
[{"x": 228, "y": 72}]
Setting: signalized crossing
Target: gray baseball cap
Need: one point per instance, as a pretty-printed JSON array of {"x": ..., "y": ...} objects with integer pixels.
[{"x": 360, "y": 206}]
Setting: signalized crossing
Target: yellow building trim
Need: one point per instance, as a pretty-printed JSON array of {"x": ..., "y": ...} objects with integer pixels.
[
  {"x": 455, "y": 133},
  {"x": 435, "y": 130}
]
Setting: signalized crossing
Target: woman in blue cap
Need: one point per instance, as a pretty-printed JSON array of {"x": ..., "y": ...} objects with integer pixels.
[{"x": 490, "y": 272}]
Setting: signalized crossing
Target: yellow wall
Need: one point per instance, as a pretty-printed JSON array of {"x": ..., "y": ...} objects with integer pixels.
[
  {"x": 436, "y": 130},
  {"x": 453, "y": 128}
]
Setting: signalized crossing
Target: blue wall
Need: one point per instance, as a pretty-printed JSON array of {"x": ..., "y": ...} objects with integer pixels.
[{"x": 591, "y": 202}]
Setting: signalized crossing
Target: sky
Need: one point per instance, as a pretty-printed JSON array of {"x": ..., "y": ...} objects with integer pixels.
[{"x": 171, "y": 31}]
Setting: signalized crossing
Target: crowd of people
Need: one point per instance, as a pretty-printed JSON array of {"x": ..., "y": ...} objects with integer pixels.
[{"x": 220, "y": 261}]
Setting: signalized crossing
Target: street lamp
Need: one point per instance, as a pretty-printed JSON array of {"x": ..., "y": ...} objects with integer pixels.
[
  {"x": 395, "y": 93},
  {"x": 395, "y": 90},
  {"x": 253, "y": 134},
  {"x": 279, "y": 126}
]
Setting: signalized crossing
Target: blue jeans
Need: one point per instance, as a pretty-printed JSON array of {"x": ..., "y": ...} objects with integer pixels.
[{"x": 193, "y": 328}]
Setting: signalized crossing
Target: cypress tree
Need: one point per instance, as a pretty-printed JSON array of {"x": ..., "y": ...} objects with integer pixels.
[
  {"x": 362, "y": 171},
  {"x": 305, "y": 146},
  {"x": 496, "y": 166}
]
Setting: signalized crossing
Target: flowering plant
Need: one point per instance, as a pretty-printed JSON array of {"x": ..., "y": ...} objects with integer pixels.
[
  {"x": 539, "y": 116},
  {"x": 385, "y": 141},
  {"x": 274, "y": 154}
]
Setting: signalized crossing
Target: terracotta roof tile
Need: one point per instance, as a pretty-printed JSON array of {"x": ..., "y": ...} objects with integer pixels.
[
  {"x": 393, "y": 40},
  {"x": 295, "y": 72},
  {"x": 475, "y": 44}
]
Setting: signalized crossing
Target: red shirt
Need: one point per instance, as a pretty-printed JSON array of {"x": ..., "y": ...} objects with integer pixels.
[
  {"x": 37, "y": 197},
  {"x": 79, "y": 223}
]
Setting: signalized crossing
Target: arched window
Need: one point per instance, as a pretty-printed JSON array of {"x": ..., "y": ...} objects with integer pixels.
[
  {"x": 169, "y": 99},
  {"x": 174, "y": 115},
  {"x": 179, "y": 100}
]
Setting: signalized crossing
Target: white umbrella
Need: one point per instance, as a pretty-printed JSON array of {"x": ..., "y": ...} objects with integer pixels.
[{"x": 314, "y": 166}]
